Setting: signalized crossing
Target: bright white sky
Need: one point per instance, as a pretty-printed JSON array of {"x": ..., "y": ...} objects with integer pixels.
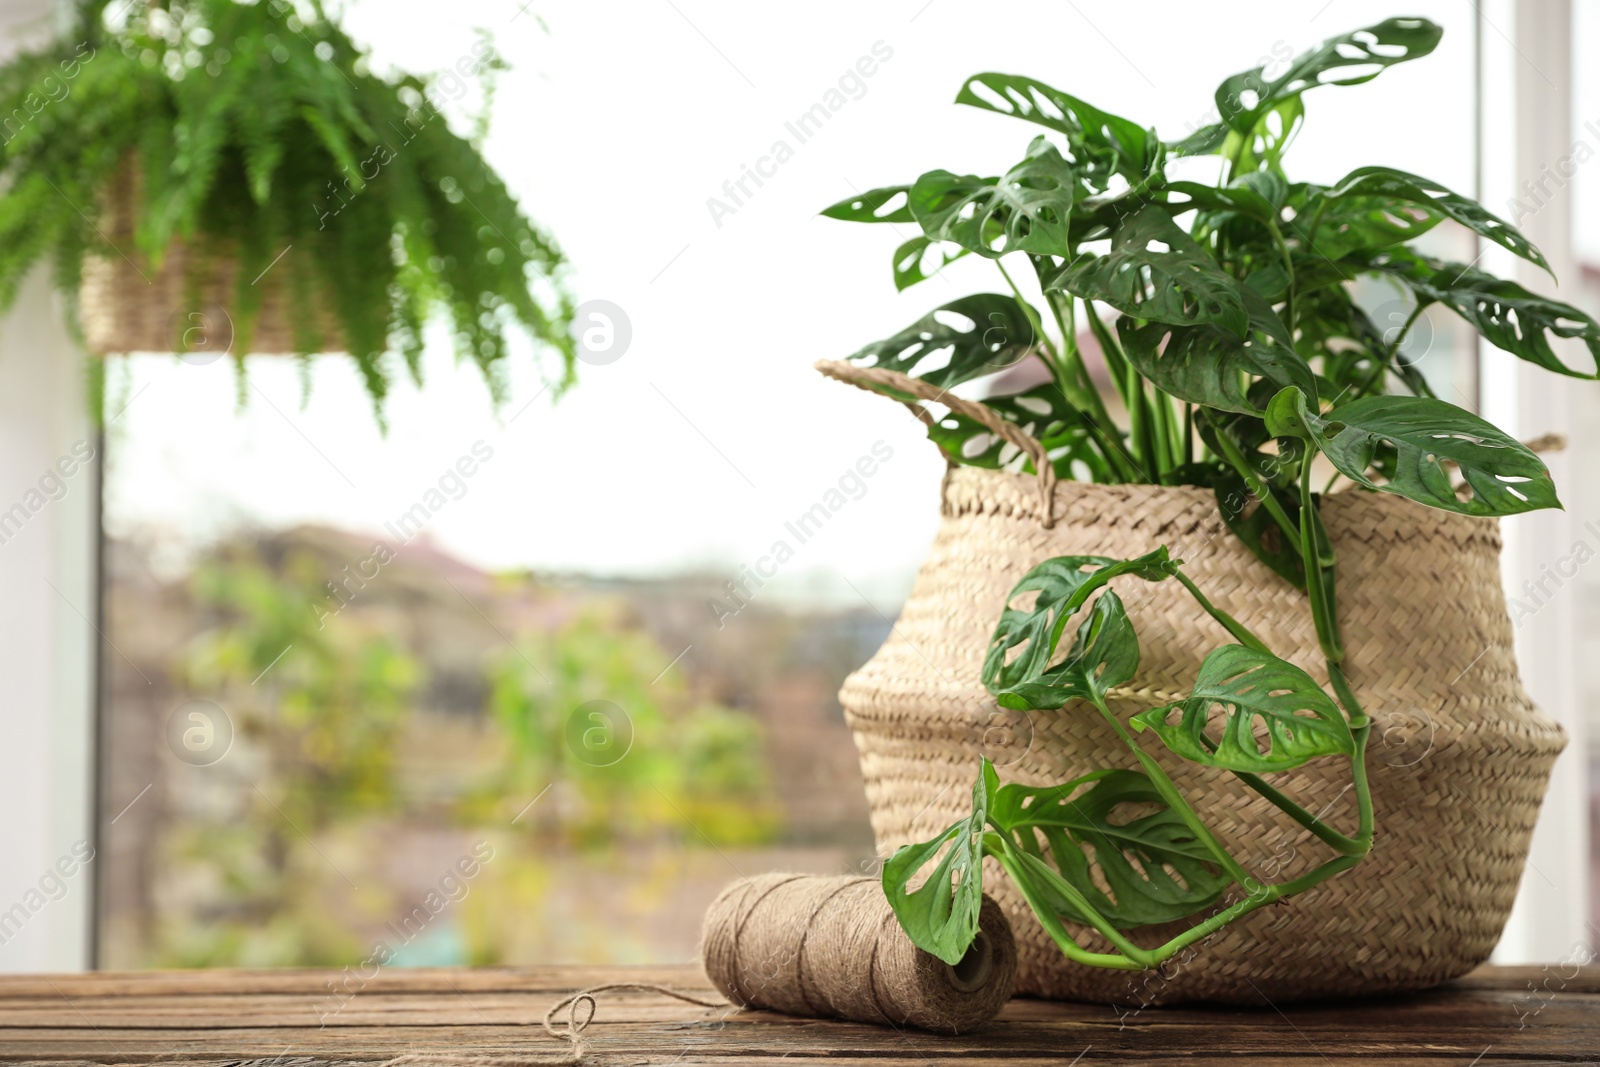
[{"x": 712, "y": 430}]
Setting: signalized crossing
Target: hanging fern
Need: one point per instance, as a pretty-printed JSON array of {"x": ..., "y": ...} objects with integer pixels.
[{"x": 259, "y": 126}]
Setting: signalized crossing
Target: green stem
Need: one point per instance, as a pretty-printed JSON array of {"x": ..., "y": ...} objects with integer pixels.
[
  {"x": 1240, "y": 632},
  {"x": 1288, "y": 268},
  {"x": 1072, "y": 378},
  {"x": 1057, "y": 930},
  {"x": 1259, "y": 897},
  {"x": 1139, "y": 425},
  {"x": 1236, "y": 458},
  {"x": 1054, "y": 361},
  {"x": 1349, "y": 846},
  {"x": 1065, "y": 322},
  {"x": 1318, "y": 567},
  {"x": 1169, "y": 792},
  {"x": 1110, "y": 350},
  {"x": 1078, "y": 901}
]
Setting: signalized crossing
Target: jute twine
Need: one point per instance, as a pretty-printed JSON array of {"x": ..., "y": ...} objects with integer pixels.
[
  {"x": 580, "y": 1008},
  {"x": 805, "y": 945},
  {"x": 1458, "y": 756},
  {"x": 831, "y": 947}
]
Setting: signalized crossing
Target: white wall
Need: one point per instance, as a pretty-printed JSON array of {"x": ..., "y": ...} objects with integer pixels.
[
  {"x": 1526, "y": 131},
  {"x": 48, "y": 591}
]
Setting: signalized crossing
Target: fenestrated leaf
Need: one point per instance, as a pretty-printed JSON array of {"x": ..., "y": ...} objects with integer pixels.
[
  {"x": 1205, "y": 364},
  {"x": 1042, "y": 413},
  {"x": 1104, "y": 655},
  {"x": 1155, "y": 271},
  {"x": 888, "y": 204},
  {"x": 919, "y": 259},
  {"x": 1300, "y": 721},
  {"x": 1063, "y": 584},
  {"x": 1244, "y": 200},
  {"x": 941, "y": 915},
  {"x": 1349, "y": 59},
  {"x": 1152, "y": 863},
  {"x": 1107, "y": 142},
  {"x": 1502, "y": 477},
  {"x": 1026, "y": 210},
  {"x": 1366, "y": 183},
  {"x": 1507, "y": 315},
  {"x": 1266, "y": 142},
  {"x": 1202, "y": 141},
  {"x": 962, "y": 340},
  {"x": 1358, "y": 223}
]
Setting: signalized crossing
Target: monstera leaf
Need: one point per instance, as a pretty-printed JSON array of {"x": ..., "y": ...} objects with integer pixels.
[
  {"x": 1241, "y": 199},
  {"x": 1298, "y": 721},
  {"x": 1026, "y": 210},
  {"x": 1155, "y": 271},
  {"x": 921, "y": 258},
  {"x": 1266, "y": 142},
  {"x": 875, "y": 205},
  {"x": 1349, "y": 59},
  {"x": 962, "y": 340},
  {"x": 1104, "y": 655},
  {"x": 1206, "y": 364},
  {"x": 1106, "y": 142},
  {"x": 1411, "y": 438},
  {"x": 1366, "y": 184},
  {"x": 1025, "y": 640},
  {"x": 1042, "y": 413},
  {"x": 941, "y": 915},
  {"x": 1358, "y": 223},
  {"x": 1507, "y": 315},
  {"x": 1116, "y": 824}
]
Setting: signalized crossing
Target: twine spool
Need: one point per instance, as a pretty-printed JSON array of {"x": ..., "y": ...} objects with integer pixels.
[{"x": 831, "y": 947}]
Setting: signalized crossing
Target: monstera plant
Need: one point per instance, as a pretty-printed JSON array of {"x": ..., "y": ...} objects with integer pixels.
[{"x": 1224, "y": 315}]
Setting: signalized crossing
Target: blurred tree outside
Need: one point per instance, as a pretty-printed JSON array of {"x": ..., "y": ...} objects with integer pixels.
[{"x": 583, "y": 749}]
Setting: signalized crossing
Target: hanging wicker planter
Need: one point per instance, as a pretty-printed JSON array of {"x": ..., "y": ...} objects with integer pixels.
[
  {"x": 1459, "y": 760},
  {"x": 185, "y": 306}
]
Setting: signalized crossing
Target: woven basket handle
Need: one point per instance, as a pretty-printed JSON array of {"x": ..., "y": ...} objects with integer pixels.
[{"x": 870, "y": 377}]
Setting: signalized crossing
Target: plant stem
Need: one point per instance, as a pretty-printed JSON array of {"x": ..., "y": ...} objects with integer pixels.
[
  {"x": 1042, "y": 339},
  {"x": 1072, "y": 378},
  {"x": 1349, "y": 846},
  {"x": 1057, "y": 930},
  {"x": 1139, "y": 423},
  {"x": 1065, "y": 322},
  {"x": 1230, "y": 452},
  {"x": 1288, "y": 268},
  {"x": 1318, "y": 569},
  {"x": 1258, "y": 897},
  {"x": 1240, "y": 632},
  {"x": 1169, "y": 792}
]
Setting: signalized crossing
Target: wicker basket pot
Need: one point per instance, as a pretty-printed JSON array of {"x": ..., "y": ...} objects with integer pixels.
[
  {"x": 1458, "y": 756},
  {"x": 185, "y": 305}
]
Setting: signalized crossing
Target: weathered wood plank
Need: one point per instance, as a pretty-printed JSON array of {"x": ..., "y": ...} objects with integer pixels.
[{"x": 1496, "y": 1016}]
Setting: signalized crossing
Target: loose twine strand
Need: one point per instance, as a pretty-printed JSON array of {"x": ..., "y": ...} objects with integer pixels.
[
  {"x": 825, "y": 947},
  {"x": 578, "y": 1021}
]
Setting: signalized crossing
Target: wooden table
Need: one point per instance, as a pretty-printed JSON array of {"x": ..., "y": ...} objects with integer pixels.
[{"x": 290, "y": 1019}]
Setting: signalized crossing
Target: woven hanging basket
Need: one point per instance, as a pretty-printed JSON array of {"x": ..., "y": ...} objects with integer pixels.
[
  {"x": 127, "y": 306},
  {"x": 1458, "y": 757}
]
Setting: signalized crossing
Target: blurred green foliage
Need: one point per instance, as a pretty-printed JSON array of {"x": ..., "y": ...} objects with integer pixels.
[
  {"x": 644, "y": 758},
  {"x": 283, "y": 852}
]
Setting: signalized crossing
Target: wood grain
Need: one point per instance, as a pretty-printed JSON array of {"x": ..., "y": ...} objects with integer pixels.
[{"x": 291, "y": 1019}]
